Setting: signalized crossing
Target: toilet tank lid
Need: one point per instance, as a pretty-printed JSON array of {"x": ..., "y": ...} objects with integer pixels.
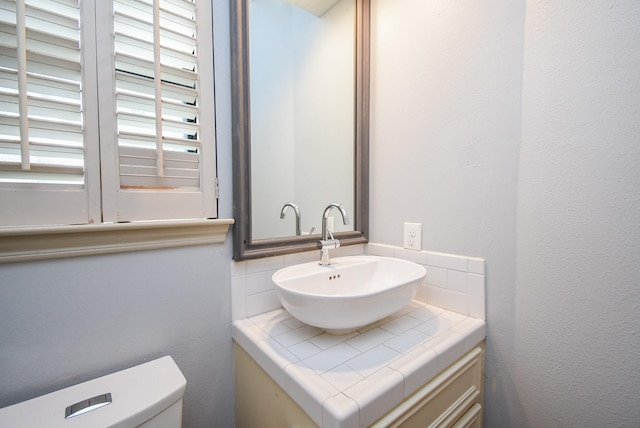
[{"x": 137, "y": 394}]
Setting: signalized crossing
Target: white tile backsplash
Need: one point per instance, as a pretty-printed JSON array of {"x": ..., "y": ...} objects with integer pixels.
[
  {"x": 298, "y": 258},
  {"x": 477, "y": 296},
  {"x": 419, "y": 257},
  {"x": 448, "y": 261},
  {"x": 262, "y": 302},
  {"x": 453, "y": 282},
  {"x": 264, "y": 264},
  {"x": 437, "y": 276},
  {"x": 458, "y": 281},
  {"x": 476, "y": 265},
  {"x": 381, "y": 250},
  {"x": 257, "y": 283},
  {"x": 351, "y": 250},
  {"x": 448, "y": 299}
]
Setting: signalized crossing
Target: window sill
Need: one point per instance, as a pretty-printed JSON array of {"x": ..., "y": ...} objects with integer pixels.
[{"x": 50, "y": 242}]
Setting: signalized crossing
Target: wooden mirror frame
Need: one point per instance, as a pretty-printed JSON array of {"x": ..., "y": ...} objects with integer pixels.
[{"x": 243, "y": 245}]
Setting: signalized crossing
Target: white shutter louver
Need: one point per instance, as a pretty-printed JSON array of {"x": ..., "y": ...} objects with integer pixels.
[
  {"x": 102, "y": 117},
  {"x": 42, "y": 134},
  {"x": 159, "y": 128},
  {"x": 41, "y": 137},
  {"x": 154, "y": 38}
]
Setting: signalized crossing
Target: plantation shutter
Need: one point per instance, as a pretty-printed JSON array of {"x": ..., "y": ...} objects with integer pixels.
[
  {"x": 158, "y": 149},
  {"x": 43, "y": 128}
]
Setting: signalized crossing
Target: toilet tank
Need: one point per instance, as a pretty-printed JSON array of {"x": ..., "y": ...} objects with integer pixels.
[{"x": 148, "y": 395}]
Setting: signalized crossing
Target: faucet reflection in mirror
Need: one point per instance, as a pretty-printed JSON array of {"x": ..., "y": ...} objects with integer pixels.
[
  {"x": 325, "y": 244},
  {"x": 296, "y": 210}
]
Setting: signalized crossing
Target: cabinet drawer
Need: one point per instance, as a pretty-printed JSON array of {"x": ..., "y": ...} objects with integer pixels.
[
  {"x": 471, "y": 419},
  {"x": 444, "y": 400}
]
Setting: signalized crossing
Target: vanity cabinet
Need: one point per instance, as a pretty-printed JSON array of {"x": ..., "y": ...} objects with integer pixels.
[
  {"x": 260, "y": 402},
  {"x": 452, "y": 399}
]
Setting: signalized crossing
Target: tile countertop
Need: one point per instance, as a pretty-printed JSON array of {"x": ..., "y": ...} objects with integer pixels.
[{"x": 354, "y": 379}]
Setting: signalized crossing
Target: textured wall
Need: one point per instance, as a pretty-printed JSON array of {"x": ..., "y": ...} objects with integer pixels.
[
  {"x": 578, "y": 295},
  {"x": 450, "y": 108},
  {"x": 446, "y": 98},
  {"x": 68, "y": 321}
]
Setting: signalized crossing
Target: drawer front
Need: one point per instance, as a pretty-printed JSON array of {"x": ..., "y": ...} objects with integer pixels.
[
  {"x": 445, "y": 399},
  {"x": 471, "y": 419}
]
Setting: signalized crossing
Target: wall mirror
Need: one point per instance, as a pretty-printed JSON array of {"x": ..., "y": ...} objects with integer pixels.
[{"x": 300, "y": 88}]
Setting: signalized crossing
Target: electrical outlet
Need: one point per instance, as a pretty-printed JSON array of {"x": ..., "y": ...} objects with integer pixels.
[{"x": 413, "y": 236}]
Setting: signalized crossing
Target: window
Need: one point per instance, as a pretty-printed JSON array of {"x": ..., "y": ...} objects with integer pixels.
[{"x": 106, "y": 111}]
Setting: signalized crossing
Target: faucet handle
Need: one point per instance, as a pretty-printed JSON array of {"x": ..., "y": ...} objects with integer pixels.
[{"x": 329, "y": 244}]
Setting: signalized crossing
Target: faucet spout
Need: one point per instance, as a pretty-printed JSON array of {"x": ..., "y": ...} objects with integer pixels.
[
  {"x": 296, "y": 210},
  {"x": 325, "y": 244},
  {"x": 325, "y": 216}
]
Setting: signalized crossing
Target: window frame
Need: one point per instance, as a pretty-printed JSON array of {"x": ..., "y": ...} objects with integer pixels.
[
  {"x": 101, "y": 232},
  {"x": 20, "y": 244}
]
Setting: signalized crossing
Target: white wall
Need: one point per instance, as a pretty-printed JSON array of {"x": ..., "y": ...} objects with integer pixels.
[
  {"x": 446, "y": 98},
  {"x": 67, "y": 321},
  {"x": 578, "y": 290},
  {"x": 545, "y": 165}
]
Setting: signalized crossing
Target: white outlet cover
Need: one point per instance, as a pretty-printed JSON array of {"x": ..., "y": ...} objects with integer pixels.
[{"x": 413, "y": 236}]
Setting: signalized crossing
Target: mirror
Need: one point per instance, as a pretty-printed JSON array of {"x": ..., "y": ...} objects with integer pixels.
[{"x": 300, "y": 76}]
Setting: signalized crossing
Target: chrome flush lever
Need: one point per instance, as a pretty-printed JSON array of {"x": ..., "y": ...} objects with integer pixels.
[{"x": 88, "y": 405}]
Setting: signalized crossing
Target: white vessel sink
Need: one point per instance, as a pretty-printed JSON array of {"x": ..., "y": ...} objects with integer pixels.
[{"x": 348, "y": 294}]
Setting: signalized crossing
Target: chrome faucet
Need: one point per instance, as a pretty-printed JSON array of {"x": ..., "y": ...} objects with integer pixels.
[
  {"x": 325, "y": 244},
  {"x": 296, "y": 210}
]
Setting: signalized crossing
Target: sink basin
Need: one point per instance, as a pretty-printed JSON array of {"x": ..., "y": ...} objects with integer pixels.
[{"x": 348, "y": 294}]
